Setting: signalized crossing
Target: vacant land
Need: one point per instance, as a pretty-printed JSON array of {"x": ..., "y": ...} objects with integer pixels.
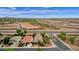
[
  {"x": 8, "y": 26},
  {"x": 41, "y": 24},
  {"x": 26, "y": 25},
  {"x": 61, "y": 24}
]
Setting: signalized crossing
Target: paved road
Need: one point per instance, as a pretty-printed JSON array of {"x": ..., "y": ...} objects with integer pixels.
[
  {"x": 48, "y": 31},
  {"x": 59, "y": 44},
  {"x": 69, "y": 32},
  {"x": 55, "y": 31}
]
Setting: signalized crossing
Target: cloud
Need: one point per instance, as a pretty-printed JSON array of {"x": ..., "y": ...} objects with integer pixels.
[
  {"x": 13, "y": 8},
  {"x": 37, "y": 12}
]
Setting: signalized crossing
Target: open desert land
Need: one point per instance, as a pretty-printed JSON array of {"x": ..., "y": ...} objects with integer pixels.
[
  {"x": 13, "y": 26},
  {"x": 41, "y": 24},
  {"x": 26, "y": 25},
  {"x": 61, "y": 24}
]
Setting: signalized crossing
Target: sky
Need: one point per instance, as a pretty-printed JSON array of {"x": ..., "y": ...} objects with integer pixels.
[{"x": 40, "y": 12}]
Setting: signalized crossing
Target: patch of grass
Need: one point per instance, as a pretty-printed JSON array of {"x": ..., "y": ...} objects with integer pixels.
[
  {"x": 8, "y": 49},
  {"x": 39, "y": 49}
]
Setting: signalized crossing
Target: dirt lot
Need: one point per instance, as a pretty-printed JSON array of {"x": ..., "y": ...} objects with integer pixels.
[
  {"x": 8, "y": 26},
  {"x": 61, "y": 24},
  {"x": 27, "y": 25}
]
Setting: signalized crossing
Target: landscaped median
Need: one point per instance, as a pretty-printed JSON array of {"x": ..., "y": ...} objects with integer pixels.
[{"x": 70, "y": 40}]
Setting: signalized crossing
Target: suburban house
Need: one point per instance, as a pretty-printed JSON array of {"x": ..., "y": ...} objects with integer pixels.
[
  {"x": 27, "y": 39},
  {"x": 38, "y": 38}
]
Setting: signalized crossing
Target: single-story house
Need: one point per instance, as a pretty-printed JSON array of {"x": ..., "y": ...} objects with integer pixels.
[
  {"x": 38, "y": 38},
  {"x": 27, "y": 39}
]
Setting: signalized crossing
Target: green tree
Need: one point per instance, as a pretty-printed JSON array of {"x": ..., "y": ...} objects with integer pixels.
[
  {"x": 46, "y": 38},
  {"x": 62, "y": 35},
  {"x": 25, "y": 31},
  {"x": 6, "y": 40},
  {"x": 21, "y": 32},
  {"x": 43, "y": 34},
  {"x": 41, "y": 43},
  {"x": 72, "y": 39}
]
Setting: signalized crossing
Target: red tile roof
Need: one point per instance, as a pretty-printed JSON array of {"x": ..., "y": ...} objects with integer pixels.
[{"x": 27, "y": 39}]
